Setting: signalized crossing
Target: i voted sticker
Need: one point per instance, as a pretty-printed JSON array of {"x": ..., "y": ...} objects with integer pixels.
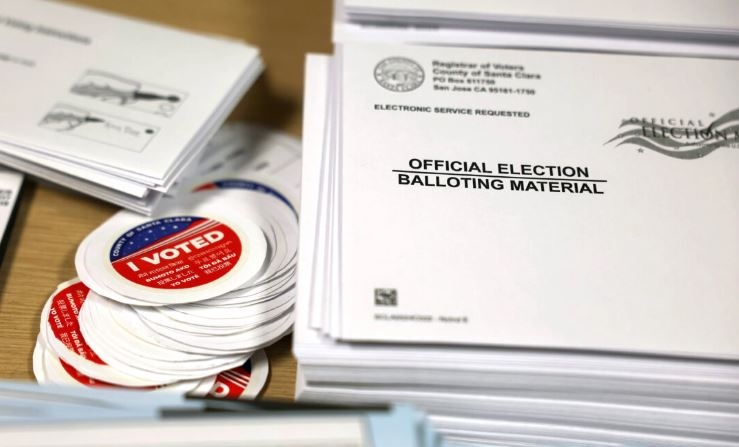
[
  {"x": 180, "y": 257},
  {"x": 63, "y": 320},
  {"x": 177, "y": 252}
]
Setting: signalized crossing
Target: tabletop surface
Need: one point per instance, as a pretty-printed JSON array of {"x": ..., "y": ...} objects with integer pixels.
[{"x": 52, "y": 221}]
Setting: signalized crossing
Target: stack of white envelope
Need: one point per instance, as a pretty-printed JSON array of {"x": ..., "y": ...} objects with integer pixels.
[
  {"x": 109, "y": 106},
  {"x": 536, "y": 248},
  {"x": 684, "y": 27}
]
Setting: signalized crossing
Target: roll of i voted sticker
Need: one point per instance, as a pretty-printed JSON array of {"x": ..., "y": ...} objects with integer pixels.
[
  {"x": 177, "y": 258},
  {"x": 244, "y": 382}
]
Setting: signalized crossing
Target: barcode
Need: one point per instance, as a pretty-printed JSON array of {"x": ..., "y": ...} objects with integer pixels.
[{"x": 386, "y": 297}]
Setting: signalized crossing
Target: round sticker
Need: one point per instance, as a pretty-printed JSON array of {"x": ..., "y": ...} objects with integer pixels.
[
  {"x": 243, "y": 382},
  {"x": 179, "y": 257},
  {"x": 63, "y": 320},
  {"x": 176, "y": 252}
]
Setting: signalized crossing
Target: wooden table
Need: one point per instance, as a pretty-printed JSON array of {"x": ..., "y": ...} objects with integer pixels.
[{"x": 52, "y": 221}]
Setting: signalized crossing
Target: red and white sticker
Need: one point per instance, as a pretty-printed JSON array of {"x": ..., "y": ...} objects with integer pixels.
[
  {"x": 243, "y": 382},
  {"x": 179, "y": 258},
  {"x": 176, "y": 252},
  {"x": 63, "y": 319}
]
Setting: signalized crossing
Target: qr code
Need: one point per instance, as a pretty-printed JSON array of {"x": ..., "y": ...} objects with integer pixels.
[{"x": 386, "y": 297}]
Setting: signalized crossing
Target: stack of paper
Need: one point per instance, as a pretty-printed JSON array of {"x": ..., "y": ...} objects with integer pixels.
[
  {"x": 536, "y": 248},
  {"x": 110, "y": 106},
  {"x": 33, "y": 416},
  {"x": 684, "y": 27},
  {"x": 184, "y": 300}
]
